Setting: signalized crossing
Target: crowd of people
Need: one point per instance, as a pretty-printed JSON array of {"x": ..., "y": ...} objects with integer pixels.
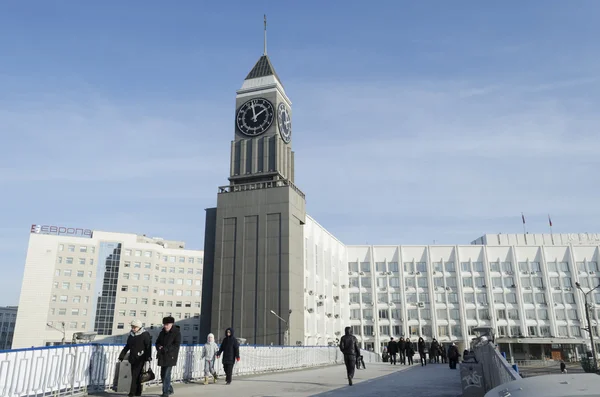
[
  {"x": 139, "y": 347},
  {"x": 402, "y": 351},
  {"x": 434, "y": 353}
]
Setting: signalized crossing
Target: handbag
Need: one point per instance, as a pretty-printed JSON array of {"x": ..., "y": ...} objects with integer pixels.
[{"x": 147, "y": 374}]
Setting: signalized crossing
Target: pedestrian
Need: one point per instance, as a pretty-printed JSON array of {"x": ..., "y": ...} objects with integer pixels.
[
  {"x": 402, "y": 350},
  {"x": 167, "y": 352},
  {"x": 392, "y": 350},
  {"x": 443, "y": 353},
  {"x": 230, "y": 348},
  {"x": 563, "y": 367},
  {"x": 209, "y": 353},
  {"x": 139, "y": 346},
  {"x": 421, "y": 348},
  {"x": 410, "y": 351},
  {"x": 434, "y": 351},
  {"x": 350, "y": 349},
  {"x": 453, "y": 355}
]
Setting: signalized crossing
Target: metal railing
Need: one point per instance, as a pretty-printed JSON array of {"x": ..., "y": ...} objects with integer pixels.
[
  {"x": 496, "y": 370},
  {"x": 260, "y": 185},
  {"x": 75, "y": 370}
]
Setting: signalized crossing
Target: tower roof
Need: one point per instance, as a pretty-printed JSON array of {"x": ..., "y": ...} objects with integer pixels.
[{"x": 263, "y": 68}]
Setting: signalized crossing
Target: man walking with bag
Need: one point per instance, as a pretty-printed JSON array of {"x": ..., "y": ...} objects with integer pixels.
[
  {"x": 167, "y": 352},
  {"x": 350, "y": 349}
]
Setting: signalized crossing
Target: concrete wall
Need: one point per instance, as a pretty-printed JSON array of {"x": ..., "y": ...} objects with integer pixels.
[{"x": 258, "y": 265}]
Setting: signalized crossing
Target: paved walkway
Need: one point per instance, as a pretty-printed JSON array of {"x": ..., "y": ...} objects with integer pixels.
[{"x": 379, "y": 379}]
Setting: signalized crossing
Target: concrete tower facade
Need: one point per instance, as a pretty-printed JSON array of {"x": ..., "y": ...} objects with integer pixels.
[{"x": 254, "y": 237}]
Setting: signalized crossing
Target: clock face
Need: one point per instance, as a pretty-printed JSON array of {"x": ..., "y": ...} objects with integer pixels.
[
  {"x": 255, "y": 116},
  {"x": 284, "y": 122}
]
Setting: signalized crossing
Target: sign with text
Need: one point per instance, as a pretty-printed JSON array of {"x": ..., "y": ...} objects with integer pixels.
[{"x": 61, "y": 231}]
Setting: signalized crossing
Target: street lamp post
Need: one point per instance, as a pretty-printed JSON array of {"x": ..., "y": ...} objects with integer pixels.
[
  {"x": 589, "y": 323},
  {"x": 59, "y": 330},
  {"x": 286, "y": 335}
]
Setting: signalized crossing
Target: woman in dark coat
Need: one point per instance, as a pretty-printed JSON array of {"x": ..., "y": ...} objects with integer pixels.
[
  {"x": 230, "y": 348},
  {"x": 410, "y": 351},
  {"x": 139, "y": 346},
  {"x": 421, "y": 348}
]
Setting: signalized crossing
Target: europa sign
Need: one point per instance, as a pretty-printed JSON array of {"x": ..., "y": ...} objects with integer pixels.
[{"x": 61, "y": 231}]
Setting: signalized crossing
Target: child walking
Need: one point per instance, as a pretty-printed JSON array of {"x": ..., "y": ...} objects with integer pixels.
[{"x": 209, "y": 352}]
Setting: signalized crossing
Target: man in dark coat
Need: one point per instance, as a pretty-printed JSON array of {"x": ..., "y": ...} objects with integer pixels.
[
  {"x": 167, "y": 352},
  {"x": 350, "y": 349},
  {"x": 392, "y": 350},
  {"x": 402, "y": 350},
  {"x": 453, "y": 355},
  {"x": 139, "y": 346},
  {"x": 230, "y": 348},
  {"x": 434, "y": 351}
]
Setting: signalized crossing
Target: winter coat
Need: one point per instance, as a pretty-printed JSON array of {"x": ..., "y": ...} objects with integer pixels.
[
  {"x": 139, "y": 346},
  {"x": 453, "y": 353},
  {"x": 349, "y": 344},
  {"x": 170, "y": 342},
  {"x": 393, "y": 347},
  {"x": 421, "y": 346},
  {"x": 435, "y": 348},
  {"x": 443, "y": 351},
  {"x": 410, "y": 351},
  {"x": 401, "y": 346},
  {"x": 209, "y": 351},
  {"x": 230, "y": 348}
]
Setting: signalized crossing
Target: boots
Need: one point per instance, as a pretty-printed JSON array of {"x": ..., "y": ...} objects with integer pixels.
[
  {"x": 215, "y": 377},
  {"x": 206, "y": 380}
]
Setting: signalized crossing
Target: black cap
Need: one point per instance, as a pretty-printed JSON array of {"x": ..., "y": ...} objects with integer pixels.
[{"x": 168, "y": 320}]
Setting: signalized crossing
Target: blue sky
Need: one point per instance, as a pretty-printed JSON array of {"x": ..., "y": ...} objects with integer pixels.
[{"x": 413, "y": 121}]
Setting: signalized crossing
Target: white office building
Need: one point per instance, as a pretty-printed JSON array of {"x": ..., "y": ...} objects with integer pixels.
[
  {"x": 8, "y": 318},
  {"x": 522, "y": 286},
  {"x": 78, "y": 280}
]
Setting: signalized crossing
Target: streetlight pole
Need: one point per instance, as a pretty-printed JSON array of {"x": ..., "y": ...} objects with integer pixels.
[
  {"x": 589, "y": 323},
  {"x": 59, "y": 330},
  {"x": 286, "y": 335}
]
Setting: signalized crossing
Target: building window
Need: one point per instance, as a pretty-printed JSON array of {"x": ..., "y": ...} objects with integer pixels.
[{"x": 442, "y": 331}]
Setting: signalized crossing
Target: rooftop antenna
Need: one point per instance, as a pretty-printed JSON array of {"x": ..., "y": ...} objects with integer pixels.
[{"x": 265, "y": 43}]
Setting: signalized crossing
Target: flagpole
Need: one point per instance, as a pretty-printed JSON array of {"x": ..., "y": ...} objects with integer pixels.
[
  {"x": 551, "y": 233},
  {"x": 524, "y": 228}
]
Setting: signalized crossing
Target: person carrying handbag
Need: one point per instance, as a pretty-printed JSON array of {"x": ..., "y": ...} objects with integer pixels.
[
  {"x": 167, "y": 352},
  {"x": 139, "y": 346}
]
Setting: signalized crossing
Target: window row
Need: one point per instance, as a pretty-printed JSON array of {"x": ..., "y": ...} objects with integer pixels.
[
  {"x": 67, "y": 285},
  {"x": 82, "y": 248},
  {"x": 70, "y": 260},
  {"x": 473, "y": 266},
  {"x": 165, "y": 258},
  {"x": 69, "y": 273},
  {"x": 72, "y": 312}
]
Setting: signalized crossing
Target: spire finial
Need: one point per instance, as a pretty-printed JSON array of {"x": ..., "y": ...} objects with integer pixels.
[{"x": 265, "y": 43}]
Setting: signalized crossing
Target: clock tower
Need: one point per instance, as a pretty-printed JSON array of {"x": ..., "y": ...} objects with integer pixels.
[{"x": 254, "y": 239}]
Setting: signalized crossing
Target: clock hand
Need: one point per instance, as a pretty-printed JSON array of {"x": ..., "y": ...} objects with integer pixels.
[
  {"x": 259, "y": 113},
  {"x": 254, "y": 113}
]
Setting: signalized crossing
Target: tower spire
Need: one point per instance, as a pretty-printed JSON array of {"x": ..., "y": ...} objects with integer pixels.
[{"x": 265, "y": 40}]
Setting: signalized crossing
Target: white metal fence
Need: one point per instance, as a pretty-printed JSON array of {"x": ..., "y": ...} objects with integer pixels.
[
  {"x": 496, "y": 370},
  {"x": 73, "y": 370}
]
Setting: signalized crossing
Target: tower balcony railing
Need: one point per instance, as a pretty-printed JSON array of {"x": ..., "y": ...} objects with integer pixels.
[
  {"x": 76, "y": 370},
  {"x": 260, "y": 185}
]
